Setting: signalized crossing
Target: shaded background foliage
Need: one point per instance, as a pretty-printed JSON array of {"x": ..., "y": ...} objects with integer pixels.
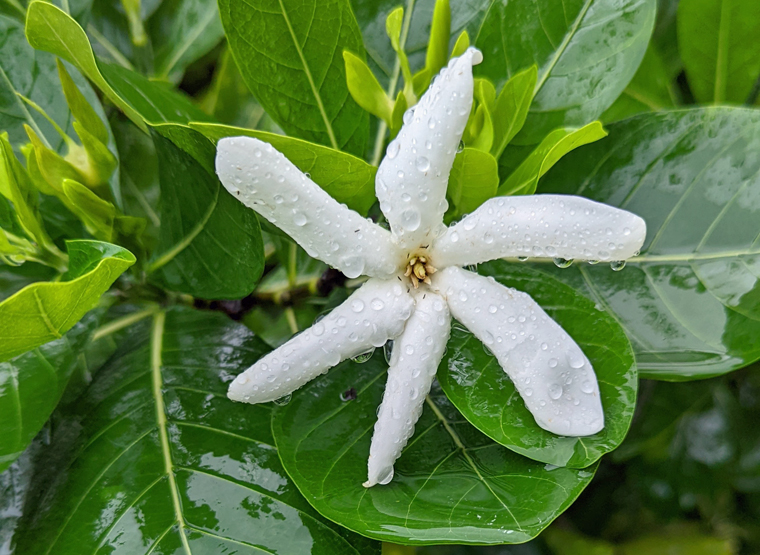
[{"x": 136, "y": 448}]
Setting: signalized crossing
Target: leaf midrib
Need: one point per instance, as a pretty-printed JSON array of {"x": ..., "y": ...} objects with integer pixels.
[{"x": 156, "y": 344}]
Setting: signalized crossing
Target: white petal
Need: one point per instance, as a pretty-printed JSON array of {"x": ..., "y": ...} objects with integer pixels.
[
  {"x": 373, "y": 314},
  {"x": 264, "y": 180},
  {"x": 544, "y": 226},
  {"x": 416, "y": 355},
  {"x": 412, "y": 178},
  {"x": 549, "y": 370}
]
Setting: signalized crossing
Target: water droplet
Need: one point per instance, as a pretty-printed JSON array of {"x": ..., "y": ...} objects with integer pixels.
[
  {"x": 377, "y": 304},
  {"x": 357, "y": 305},
  {"x": 592, "y": 262},
  {"x": 400, "y": 174},
  {"x": 575, "y": 359},
  {"x": 279, "y": 199},
  {"x": 299, "y": 218},
  {"x": 363, "y": 357},
  {"x": 411, "y": 219},
  {"x": 431, "y": 123},
  {"x": 617, "y": 265},
  {"x": 587, "y": 386},
  {"x": 348, "y": 395},
  {"x": 555, "y": 391},
  {"x": 385, "y": 476},
  {"x": 422, "y": 164},
  {"x": 626, "y": 231},
  {"x": 388, "y": 351},
  {"x": 528, "y": 392},
  {"x": 460, "y": 146},
  {"x": 284, "y": 400},
  {"x": 428, "y": 145},
  {"x": 522, "y": 258},
  {"x": 241, "y": 379},
  {"x": 462, "y": 296},
  {"x": 553, "y": 362},
  {"x": 563, "y": 262},
  {"x": 409, "y": 350},
  {"x": 493, "y": 308},
  {"x": 454, "y": 236},
  {"x": 393, "y": 149}
]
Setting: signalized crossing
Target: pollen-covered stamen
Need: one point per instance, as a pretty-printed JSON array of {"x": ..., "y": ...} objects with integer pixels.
[{"x": 419, "y": 269}]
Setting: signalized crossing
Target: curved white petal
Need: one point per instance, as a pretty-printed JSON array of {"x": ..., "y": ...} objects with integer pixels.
[
  {"x": 375, "y": 313},
  {"x": 412, "y": 178},
  {"x": 544, "y": 226},
  {"x": 264, "y": 180},
  {"x": 549, "y": 370},
  {"x": 416, "y": 355}
]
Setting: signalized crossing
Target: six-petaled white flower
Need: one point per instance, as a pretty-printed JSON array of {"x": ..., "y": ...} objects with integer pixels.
[{"x": 416, "y": 278}]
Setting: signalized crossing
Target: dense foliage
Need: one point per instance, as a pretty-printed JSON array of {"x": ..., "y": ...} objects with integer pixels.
[{"x": 134, "y": 287}]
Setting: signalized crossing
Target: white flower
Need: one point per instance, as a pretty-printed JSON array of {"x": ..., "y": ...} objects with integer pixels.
[{"x": 416, "y": 281}]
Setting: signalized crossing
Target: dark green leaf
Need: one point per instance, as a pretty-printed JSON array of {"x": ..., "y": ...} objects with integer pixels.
[
  {"x": 474, "y": 179},
  {"x": 650, "y": 90},
  {"x": 158, "y": 460},
  {"x": 452, "y": 484},
  {"x": 485, "y": 395},
  {"x": 209, "y": 244},
  {"x": 690, "y": 303},
  {"x": 348, "y": 179},
  {"x": 586, "y": 52},
  {"x": 142, "y": 100},
  {"x": 291, "y": 57},
  {"x": 719, "y": 47},
  {"x": 42, "y": 312},
  {"x": 31, "y": 386}
]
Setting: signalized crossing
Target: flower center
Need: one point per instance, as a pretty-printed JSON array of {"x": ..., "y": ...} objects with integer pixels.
[{"x": 419, "y": 269}]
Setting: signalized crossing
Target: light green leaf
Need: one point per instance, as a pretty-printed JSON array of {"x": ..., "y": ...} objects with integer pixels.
[
  {"x": 399, "y": 108},
  {"x": 437, "y": 54},
  {"x": 485, "y": 94},
  {"x": 50, "y": 29},
  {"x": 348, "y": 179},
  {"x": 31, "y": 385},
  {"x": 555, "y": 145},
  {"x": 690, "y": 303},
  {"x": 291, "y": 57},
  {"x": 163, "y": 462},
  {"x": 718, "y": 43},
  {"x": 364, "y": 88},
  {"x": 461, "y": 45},
  {"x": 474, "y": 381},
  {"x": 586, "y": 52},
  {"x": 511, "y": 108},
  {"x": 474, "y": 178},
  {"x": 451, "y": 484},
  {"x": 80, "y": 107},
  {"x": 43, "y": 312},
  {"x": 209, "y": 244}
]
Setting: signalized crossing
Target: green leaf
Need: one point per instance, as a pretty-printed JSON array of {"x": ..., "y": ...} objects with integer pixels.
[
  {"x": 209, "y": 244},
  {"x": 181, "y": 31},
  {"x": 437, "y": 54},
  {"x": 42, "y": 312},
  {"x": 80, "y": 107},
  {"x": 555, "y": 145},
  {"x": 461, "y": 45},
  {"x": 348, "y": 179},
  {"x": 586, "y": 52},
  {"x": 452, "y": 484},
  {"x": 511, "y": 108},
  {"x": 393, "y": 24},
  {"x": 50, "y": 29},
  {"x": 474, "y": 179},
  {"x": 485, "y": 395},
  {"x": 650, "y": 90},
  {"x": 718, "y": 43},
  {"x": 690, "y": 303},
  {"x": 364, "y": 88},
  {"x": 291, "y": 58},
  {"x": 485, "y": 94},
  {"x": 158, "y": 460},
  {"x": 31, "y": 385}
]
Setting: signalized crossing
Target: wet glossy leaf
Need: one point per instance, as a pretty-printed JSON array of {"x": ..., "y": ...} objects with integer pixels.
[
  {"x": 473, "y": 380},
  {"x": 452, "y": 484},
  {"x": 31, "y": 385},
  {"x": 474, "y": 179},
  {"x": 158, "y": 460},
  {"x": 43, "y": 312},
  {"x": 142, "y": 100},
  {"x": 291, "y": 57},
  {"x": 650, "y": 90},
  {"x": 690, "y": 303},
  {"x": 348, "y": 179},
  {"x": 586, "y": 52},
  {"x": 718, "y": 43},
  {"x": 209, "y": 244},
  {"x": 524, "y": 180}
]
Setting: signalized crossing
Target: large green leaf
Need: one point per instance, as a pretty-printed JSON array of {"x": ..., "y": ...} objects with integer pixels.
[
  {"x": 154, "y": 458},
  {"x": 209, "y": 244},
  {"x": 291, "y": 56},
  {"x": 452, "y": 484},
  {"x": 142, "y": 100},
  {"x": 484, "y": 394},
  {"x": 718, "y": 43},
  {"x": 348, "y": 179},
  {"x": 474, "y": 179},
  {"x": 43, "y": 312},
  {"x": 690, "y": 303},
  {"x": 31, "y": 386},
  {"x": 586, "y": 52}
]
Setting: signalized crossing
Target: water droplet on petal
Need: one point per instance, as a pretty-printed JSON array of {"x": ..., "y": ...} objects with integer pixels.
[
  {"x": 617, "y": 265},
  {"x": 563, "y": 262},
  {"x": 393, "y": 149},
  {"x": 284, "y": 400},
  {"x": 422, "y": 164},
  {"x": 555, "y": 391},
  {"x": 299, "y": 218},
  {"x": 363, "y": 357}
]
